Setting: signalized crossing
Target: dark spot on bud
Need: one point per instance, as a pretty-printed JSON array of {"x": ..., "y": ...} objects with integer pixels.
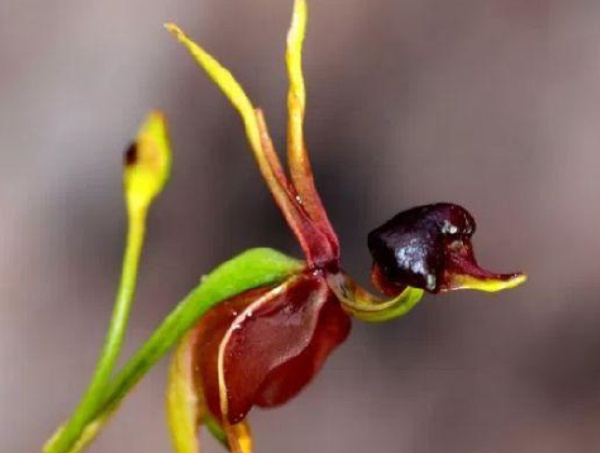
[
  {"x": 414, "y": 246},
  {"x": 131, "y": 155}
]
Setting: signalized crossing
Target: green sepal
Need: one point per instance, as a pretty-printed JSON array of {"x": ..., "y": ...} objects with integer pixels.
[
  {"x": 251, "y": 269},
  {"x": 364, "y": 306},
  {"x": 391, "y": 309}
]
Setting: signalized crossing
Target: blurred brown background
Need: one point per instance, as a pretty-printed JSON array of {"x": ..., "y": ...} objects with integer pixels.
[{"x": 494, "y": 104}]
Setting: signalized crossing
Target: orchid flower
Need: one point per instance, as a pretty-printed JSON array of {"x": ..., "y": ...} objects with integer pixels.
[
  {"x": 262, "y": 347},
  {"x": 258, "y": 328}
]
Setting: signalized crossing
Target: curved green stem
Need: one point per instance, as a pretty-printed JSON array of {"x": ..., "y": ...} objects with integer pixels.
[
  {"x": 251, "y": 269},
  {"x": 94, "y": 394}
]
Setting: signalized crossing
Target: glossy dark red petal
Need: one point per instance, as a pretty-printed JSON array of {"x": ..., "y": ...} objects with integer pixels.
[
  {"x": 287, "y": 380},
  {"x": 276, "y": 343},
  {"x": 211, "y": 330}
]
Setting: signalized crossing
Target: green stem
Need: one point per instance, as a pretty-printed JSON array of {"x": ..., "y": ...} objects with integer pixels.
[
  {"x": 228, "y": 280},
  {"x": 251, "y": 269},
  {"x": 94, "y": 395},
  {"x": 185, "y": 315}
]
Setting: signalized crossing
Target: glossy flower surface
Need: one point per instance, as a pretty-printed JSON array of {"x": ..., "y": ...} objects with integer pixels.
[
  {"x": 262, "y": 347},
  {"x": 429, "y": 247},
  {"x": 271, "y": 342}
]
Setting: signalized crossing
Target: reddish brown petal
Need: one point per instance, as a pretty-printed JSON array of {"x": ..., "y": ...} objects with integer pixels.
[
  {"x": 318, "y": 241},
  {"x": 271, "y": 347},
  {"x": 287, "y": 380},
  {"x": 212, "y": 329}
]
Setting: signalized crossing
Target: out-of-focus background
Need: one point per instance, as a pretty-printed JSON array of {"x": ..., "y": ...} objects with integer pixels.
[{"x": 494, "y": 104}]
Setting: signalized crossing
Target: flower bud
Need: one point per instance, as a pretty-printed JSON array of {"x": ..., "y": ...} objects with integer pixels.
[{"x": 147, "y": 163}]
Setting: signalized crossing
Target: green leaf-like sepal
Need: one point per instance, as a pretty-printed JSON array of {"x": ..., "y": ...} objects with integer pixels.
[{"x": 364, "y": 306}]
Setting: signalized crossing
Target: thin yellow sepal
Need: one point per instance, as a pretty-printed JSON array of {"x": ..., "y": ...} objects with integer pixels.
[
  {"x": 297, "y": 90},
  {"x": 236, "y": 95},
  {"x": 489, "y": 285},
  {"x": 298, "y": 159},
  {"x": 260, "y": 145}
]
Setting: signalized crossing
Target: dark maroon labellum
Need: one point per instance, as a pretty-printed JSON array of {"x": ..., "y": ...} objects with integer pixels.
[{"x": 412, "y": 248}]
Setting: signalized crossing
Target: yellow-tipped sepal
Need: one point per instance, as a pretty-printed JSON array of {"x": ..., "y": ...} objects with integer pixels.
[
  {"x": 147, "y": 163},
  {"x": 489, "y": 284},
  {"x": 363, "y": 305}
]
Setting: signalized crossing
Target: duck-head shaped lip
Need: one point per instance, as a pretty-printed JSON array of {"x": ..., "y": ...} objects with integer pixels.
[{"x": 429, "y": 247}]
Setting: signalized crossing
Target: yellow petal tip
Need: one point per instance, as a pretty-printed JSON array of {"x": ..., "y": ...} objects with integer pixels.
[{"x": 490, "y": 285}]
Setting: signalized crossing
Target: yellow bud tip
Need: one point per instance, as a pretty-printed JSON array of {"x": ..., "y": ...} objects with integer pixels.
[{"x": 147, "y": 162}]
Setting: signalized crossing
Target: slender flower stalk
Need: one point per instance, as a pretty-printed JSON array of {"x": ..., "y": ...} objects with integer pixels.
[
  {"x": 112, "y": 346},
  {"x": 147, "y": 167}
]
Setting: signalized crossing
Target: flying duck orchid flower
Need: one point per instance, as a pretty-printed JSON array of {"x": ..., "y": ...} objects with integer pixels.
[
  {"x": 262, "y": 347},
  {"x": 258, "y": 328}
]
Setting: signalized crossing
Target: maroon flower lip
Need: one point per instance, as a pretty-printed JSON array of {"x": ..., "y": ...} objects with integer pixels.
[{"x": 429, "y": 247}]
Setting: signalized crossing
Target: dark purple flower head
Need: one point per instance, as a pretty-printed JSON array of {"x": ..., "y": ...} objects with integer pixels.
[{"x": 429, "y": 247}]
